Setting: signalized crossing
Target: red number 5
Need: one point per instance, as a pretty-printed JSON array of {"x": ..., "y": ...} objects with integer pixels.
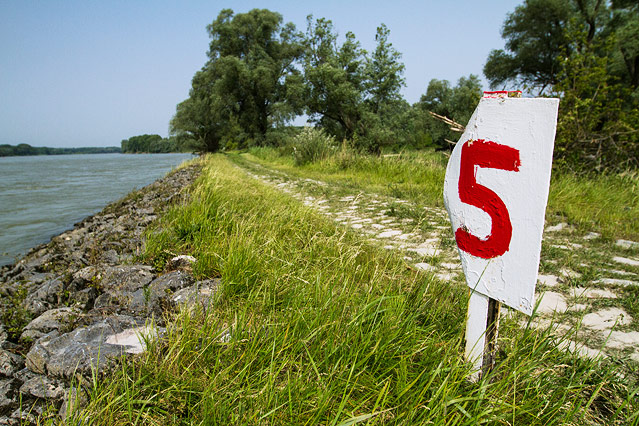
[{"x": 475, "y": 154}]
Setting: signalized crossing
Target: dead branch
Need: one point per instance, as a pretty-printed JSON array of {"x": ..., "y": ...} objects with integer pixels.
[{"x": 454, "y": 126}]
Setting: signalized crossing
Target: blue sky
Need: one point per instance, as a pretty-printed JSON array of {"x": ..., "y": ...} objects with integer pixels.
[{"x": 88, "y": 73}]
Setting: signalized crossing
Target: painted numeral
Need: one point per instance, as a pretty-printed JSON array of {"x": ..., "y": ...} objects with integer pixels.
[{"x": 475, "y": 154}]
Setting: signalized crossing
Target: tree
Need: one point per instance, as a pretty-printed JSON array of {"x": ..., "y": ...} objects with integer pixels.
[
  {"x": 199, "y": 121},
  {"x": 383, "y": 73},
  {"x": 598, "y": 125},
  {"x": 625, "y": 56},
  {"x": 535, "y": 40},
  {"x": 589, "y": 56},
  {"x": 241, "y": 92},
  {"x": 456, "y": 103},
  {"x": 253, "y": 55},
  {"x": 333, "y": 79}
]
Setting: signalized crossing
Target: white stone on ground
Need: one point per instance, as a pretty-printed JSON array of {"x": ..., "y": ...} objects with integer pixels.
[
  {"x": 404, "y": 237},
  {"x": 569, "y": 273},
  {"x": 627, "y": 244},
  {"x": 626, "y": 261},
  {"x": 424, "y": 266},
  {"x": 133, "y": 338},
  {"x": 446, "y": 276},
  {"x": 378, "y": 226},
  {"x": 580, "y": 349},
  {"x": 593, "y": 293},
  {"x": 620, "y": 339},
  {"x": 357, "y": 226},
  {"x": 549, "y": 280},
  {"x": 592, "y": 236},
  {"x": 578, "y": 307},
  {"x": 425, "y": 251},
  {"x": 616, "y": 281},
  {"x": 559, "y": 227},
  {"x": 389, "y": 234},
  {"x": 618, "y": 272},
  {"x": 456, "y": 266},
  {"x": 552, "y": 302},
  {"x": 606, "y": 319},
  {"x": 561, "y": 246}
]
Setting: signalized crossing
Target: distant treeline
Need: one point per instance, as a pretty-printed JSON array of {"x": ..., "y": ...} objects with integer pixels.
[
  {"x": 26, "y": 149},
  {"x": 152, "y": 144}
]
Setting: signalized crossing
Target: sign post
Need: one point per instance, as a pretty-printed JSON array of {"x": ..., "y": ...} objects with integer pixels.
[{"x": 496, "y": 190}]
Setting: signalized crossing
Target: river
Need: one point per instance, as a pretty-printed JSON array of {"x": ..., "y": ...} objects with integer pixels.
[{"x": 42, "y": 196}]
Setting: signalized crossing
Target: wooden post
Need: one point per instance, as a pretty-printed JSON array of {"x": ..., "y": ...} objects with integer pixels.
[
  {"x": 481, "y": 333},
  {"x": 492, "y": 329},
  {"x": 476, "y": 331}
]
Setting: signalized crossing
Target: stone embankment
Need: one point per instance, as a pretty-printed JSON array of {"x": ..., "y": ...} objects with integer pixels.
[{"x": 72, "y": 307}]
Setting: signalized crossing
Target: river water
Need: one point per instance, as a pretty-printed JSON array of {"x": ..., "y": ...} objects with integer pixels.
[{"x": 42, "y": 196}]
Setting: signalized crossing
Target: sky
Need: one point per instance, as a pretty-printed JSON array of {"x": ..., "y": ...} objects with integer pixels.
[{"x": 89, "y": 73}]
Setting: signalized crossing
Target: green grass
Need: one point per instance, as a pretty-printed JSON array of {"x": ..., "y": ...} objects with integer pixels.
[
  {"x": 312, "y": 325},
  {"x": 607, "y": 203}
]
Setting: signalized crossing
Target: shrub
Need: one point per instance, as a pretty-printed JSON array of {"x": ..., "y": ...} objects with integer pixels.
[{"x": 312, "y": 145}]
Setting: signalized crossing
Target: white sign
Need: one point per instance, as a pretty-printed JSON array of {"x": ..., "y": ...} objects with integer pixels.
[{"x": 496, "y": 191}]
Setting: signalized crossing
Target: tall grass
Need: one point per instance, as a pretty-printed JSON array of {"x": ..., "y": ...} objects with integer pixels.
[
  {"x": 605, "y": 203},
  {"x": 311, "y": 325}
]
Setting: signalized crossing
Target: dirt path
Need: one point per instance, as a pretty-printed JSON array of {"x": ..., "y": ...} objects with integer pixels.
[{"x": 588, "y": 288}]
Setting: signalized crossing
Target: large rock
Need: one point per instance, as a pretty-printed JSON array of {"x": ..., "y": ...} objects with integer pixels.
[
  {"x": 7, "y": 396},
  {"x": 43, "y": 387},
  {"x": 147, "y": 300},
  {"x": 45, "y": 297},
  {"x": 199, "y": 294},
  {"x": 54, "y": 319},
  {"x": 80, "y": 350},
  {"x": 127, "y": 278},
  {"x": 10, "y": 363}
]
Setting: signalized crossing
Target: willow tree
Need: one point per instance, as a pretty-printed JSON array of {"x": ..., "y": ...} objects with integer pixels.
[{"x": 242, "y": 89}]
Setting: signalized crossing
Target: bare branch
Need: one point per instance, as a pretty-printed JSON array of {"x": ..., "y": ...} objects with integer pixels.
[{"x": 454, "y": 126}]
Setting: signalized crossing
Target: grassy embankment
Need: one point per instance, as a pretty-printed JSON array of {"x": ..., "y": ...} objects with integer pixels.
[
  {"x": 311, "y": 325},
  {"x": 608, "y": 204}
]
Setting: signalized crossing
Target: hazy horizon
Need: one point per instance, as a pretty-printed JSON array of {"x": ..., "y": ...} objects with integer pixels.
[{"x": 80, "y": 74}]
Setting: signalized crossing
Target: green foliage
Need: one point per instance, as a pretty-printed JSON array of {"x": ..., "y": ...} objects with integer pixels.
[
  {"x": 587, "y": 53},
  {"x": 456, "y": 103},
  {"x": 334, "y": 79},
  {"x": 26, "y": 149},
  {"x": 13, "y": 314},
  {"x": 242, "y": 90},
  {"x": 598, "y": 127},
  {"x": 312, "y": 145},
  {"x": 535, "y": 37},
  {"x": 152, "y": 144},
  {"x": 383, "y": 72}
]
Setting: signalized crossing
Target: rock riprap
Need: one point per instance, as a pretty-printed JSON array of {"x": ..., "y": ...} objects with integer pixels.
[{"x": 70, "y": 309}]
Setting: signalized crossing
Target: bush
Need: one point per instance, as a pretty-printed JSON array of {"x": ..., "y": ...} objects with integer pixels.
[{"x": 312, "y": 145}]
